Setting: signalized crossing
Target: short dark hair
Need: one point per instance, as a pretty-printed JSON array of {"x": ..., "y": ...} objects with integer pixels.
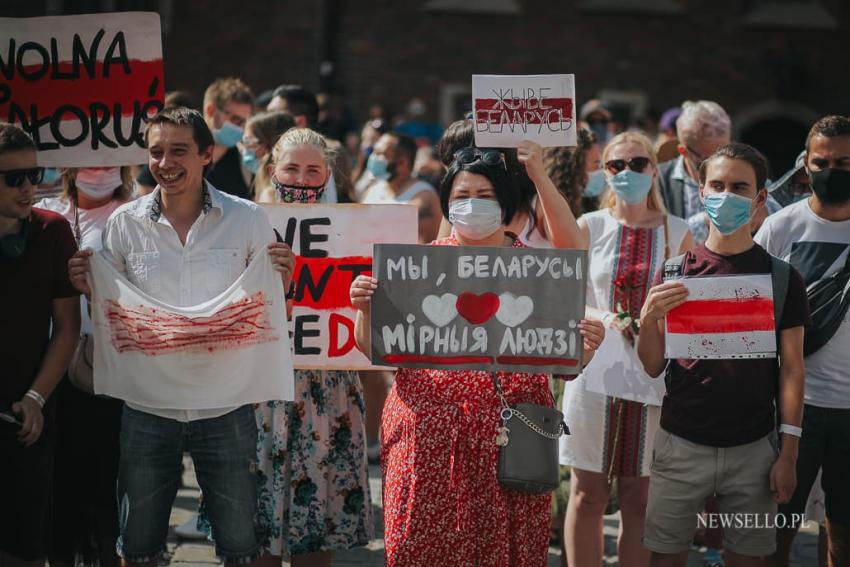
[
  {"x": 13, "y": 139},
  {"x": 504, "y": 185},
  {"x": 180, "y": 98},
  {"x": 458, "y": 135},
  {"x": 830, "y": 127},
  {"x": 182, "y": 116},
  {"x": 299, "y": 102},
  {"x": 406, "y": 145},
  {"x": 743, "y": 152}
]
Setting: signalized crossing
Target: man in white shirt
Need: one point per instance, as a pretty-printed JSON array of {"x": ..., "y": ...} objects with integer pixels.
[
  {"x": 814, "y": 236},
  {"x": 184, "y": 244}
]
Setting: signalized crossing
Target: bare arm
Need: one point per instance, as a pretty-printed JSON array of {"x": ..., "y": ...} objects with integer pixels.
[
  {"x": 361, "y": 292},
  {"x": 429, "y": 215},
  {"x": 783, "y": 474},
  {"x": 561, "y": 225}
]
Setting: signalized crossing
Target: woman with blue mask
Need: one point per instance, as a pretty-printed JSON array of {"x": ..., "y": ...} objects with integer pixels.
[
  {"x": 437, "y": 425},
  {"x": 630, "y": 237},
  {"x": 261, "y": 132}
]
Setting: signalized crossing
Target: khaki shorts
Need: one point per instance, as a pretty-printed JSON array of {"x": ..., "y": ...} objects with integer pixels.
[{"x": 684, "y": 474}]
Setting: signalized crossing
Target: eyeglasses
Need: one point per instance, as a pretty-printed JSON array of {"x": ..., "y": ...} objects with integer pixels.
[
  {"x": 637, "y": 164},
  {"x": 466, "y": 156},
  {"x": 15, "y": 177}
]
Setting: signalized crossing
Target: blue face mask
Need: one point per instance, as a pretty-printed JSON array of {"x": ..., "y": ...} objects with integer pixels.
[
  {"x": 728, "y": 212},
  {"x": 595, "y": 184},
  {"x": 51, "y": 176},
  {"x": 250, "y": 160},
  {"x": 228, "y": 135},
  {"x": 631, "y": 186},
  {"x": 378, "y": 166}
]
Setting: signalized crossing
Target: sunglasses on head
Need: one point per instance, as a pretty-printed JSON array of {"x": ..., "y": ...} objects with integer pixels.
[
  {"x": 15, "y": 177},
  {"x": 466, "y": 156},
  {"x": 637, "y": 164}
]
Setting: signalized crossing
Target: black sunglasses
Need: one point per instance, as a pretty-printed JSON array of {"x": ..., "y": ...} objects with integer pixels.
[
  {"x": 466, "y": 156},
  {"x": 15, "y": 177},
  {"x": 637, "y": 164}
]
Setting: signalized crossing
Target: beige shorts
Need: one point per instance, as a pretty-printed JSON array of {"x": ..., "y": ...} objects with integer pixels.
[{"x": 684, "y": 474}]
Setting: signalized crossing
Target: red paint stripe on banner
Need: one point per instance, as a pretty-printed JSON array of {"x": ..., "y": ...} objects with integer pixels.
[
  {"x": 722, "y": 316},
  {"x": 324, "y": 283},
  {"x": 432, "y": 359},
  {"x": 523, "y": 111},
  {"x": 536, "y": 361},
  {"x": 143, "y": 83}
]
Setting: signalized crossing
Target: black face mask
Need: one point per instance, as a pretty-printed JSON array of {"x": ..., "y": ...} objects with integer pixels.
[{"x": 832, "y": 186}]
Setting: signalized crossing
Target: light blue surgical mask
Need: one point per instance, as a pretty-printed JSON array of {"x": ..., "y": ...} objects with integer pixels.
[
  {"x": 250, "y": 160},
  {"x": 228, "y": 135},
  {"x": 378, "y": 167},
  {"x": 631, "y": 186},
  {"x": 728, "y": 212},
  {"x": 51, "y": 176},
  {"x": 595, "y": 184}
]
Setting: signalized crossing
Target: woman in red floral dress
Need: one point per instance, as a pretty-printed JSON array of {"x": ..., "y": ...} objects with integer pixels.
[{"x": 443, "y": 504}]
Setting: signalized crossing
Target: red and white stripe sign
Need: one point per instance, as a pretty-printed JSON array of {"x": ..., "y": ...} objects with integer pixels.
[
  {"x": 724, "y": 317},
  {"x": 82, "y": 86}
]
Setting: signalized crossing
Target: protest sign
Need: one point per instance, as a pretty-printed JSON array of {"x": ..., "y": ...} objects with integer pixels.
[
  {"x": 508, "y": 109},
  {"x": 724, "y": 317},
  {"x": 229, "y": 351},
  {"x": 617, "y": 371},
  {"x": 478, "y": 308},
  {"x": 334, "y": 246},
  {"x": 82, "y": 86}
]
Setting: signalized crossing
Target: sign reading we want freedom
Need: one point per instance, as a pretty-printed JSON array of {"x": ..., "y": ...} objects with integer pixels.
[
  {"x": 334, "y": 245},
  {"x": 478, "y": 308},
  {"x": 82, "y": 86},
  {"x": 508, "y": 109}
]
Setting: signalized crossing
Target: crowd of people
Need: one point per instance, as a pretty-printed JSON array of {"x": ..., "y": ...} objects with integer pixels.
[{"x": 90, "y": 479}]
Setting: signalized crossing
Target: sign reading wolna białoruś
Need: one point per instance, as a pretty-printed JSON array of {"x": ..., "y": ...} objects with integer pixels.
[
  {"x": 478, "y": 308},
  {"x": 508, "y": 109},
  {"x": 82, "y": 86}
]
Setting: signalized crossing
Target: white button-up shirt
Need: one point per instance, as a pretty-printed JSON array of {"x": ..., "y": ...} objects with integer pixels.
[{"x": 141, "y": 244}]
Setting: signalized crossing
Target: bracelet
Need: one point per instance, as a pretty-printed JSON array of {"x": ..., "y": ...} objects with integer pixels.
[
  {"x": 38, "y": 398},
  {"x": 791, "y": 430}
]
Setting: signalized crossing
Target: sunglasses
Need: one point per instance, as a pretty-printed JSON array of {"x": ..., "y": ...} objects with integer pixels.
[
  {"x": 637, "y": 164},
  {"x": 15, "y": 177},
  {"x": 466, "y": 156}
]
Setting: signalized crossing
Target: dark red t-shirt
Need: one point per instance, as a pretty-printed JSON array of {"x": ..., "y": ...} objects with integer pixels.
[
  {"x": 723, "y": 403},
  {"x": 28, "y": 286}
]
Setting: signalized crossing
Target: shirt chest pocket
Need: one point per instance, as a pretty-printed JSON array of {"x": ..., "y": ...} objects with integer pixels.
[
  {"x": 223, "y": 266},
  {"x": 143, "y": 270}
]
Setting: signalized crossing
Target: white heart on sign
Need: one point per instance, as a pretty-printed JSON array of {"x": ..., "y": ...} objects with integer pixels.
[
  {"x": 514, "y": 310},
  {"x": 440, "y": 309}
]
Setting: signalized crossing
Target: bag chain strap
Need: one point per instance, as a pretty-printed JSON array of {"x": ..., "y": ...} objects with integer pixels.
[{"x": 508, "y": 412}]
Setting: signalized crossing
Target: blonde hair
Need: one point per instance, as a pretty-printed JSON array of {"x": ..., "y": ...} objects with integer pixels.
[
  {"x": 123, "y": 192},
  {"x": 653, "y": 201},
  {"x": 295, "y": 137}
]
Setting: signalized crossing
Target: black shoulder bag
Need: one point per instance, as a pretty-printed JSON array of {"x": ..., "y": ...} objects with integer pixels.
[{"x": 829, "y": 299}]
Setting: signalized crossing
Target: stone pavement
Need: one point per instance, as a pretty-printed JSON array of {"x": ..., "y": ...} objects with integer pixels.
[{"x": 185, "y": 554}]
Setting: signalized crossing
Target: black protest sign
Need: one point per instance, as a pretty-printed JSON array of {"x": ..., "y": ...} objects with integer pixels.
[
  {"x": 82, "y": 86},
  {"x": 453, "y": 307}
]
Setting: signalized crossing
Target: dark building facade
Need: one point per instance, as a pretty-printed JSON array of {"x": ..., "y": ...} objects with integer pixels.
[{"x": 775, "y": 65}]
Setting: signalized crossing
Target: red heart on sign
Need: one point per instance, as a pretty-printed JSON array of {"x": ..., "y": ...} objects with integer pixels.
[{"x": 477, "y": 309}]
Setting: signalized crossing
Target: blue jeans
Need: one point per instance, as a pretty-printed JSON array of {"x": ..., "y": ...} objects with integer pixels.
[{"x": 224, "y": 451}]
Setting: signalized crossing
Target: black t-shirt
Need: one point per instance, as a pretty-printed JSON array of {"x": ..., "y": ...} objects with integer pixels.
[
  {"x": 225, "y": 175},
  {"x": 724, "y": 403}
]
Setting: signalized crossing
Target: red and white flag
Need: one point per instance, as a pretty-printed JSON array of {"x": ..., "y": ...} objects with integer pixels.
[
  {"x": 724, "y": 317},
  {"x": 82, "y": 86}
]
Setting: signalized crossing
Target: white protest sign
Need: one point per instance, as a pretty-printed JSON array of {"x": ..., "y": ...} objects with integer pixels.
[
  {"x": 83, "y": 86},
  {"x": 508, "y": 109},
  {"x": 724, "y": 317},
  {"x": 334, "y": 245},
  {"x": 617, "y": 371}
]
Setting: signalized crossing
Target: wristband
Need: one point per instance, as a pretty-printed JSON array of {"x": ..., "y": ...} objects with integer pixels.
[
  {"x": 38, "y": 398},
  {"x": 791, "y": 430}
]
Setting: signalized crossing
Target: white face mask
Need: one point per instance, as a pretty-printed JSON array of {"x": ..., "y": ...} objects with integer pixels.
[
  {"x": 475, "y": 219},
  {"x": 98, "y": 183}
]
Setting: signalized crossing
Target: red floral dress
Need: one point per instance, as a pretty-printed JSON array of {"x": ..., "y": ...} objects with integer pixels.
[{"x": 442, "y": 502}]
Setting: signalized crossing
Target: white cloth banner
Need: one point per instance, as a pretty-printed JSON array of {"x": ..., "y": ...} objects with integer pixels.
[{"x": 229, "y": 351}]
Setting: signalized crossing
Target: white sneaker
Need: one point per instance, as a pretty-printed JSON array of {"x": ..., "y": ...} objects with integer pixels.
[{"x": 188, "y": 530}]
